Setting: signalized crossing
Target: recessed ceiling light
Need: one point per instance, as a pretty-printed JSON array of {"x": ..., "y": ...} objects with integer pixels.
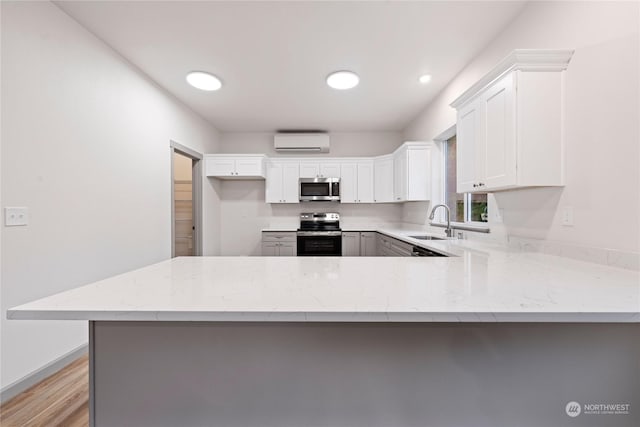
[
  {"x": 425, "y": 78},
  {"x": 342, "y": 80},
  {"x": 203, "y": 81}
]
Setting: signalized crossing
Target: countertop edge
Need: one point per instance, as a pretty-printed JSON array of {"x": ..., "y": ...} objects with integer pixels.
[{"x": 313, "y": 317}]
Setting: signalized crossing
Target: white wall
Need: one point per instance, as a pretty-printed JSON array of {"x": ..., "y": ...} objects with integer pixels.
[
  {"x": 601, "y": 123},
  {"x": 343, "y": 144},
  {"x": 85, "y": 146},
  {"x": 244, "y": 211}
]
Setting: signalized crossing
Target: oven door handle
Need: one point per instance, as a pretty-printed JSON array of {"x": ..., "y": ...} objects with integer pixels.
[{"x": 319, "y": 233}]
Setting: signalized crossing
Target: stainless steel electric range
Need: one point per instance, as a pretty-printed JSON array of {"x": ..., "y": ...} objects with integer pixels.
[{"x": 319, "y": 234}]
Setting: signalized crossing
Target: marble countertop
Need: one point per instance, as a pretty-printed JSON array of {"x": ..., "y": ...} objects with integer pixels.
[{"x": 479, "y": 283}]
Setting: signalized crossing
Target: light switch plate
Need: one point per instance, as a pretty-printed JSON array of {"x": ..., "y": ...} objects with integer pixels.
[{"x": 16, "y": 216}]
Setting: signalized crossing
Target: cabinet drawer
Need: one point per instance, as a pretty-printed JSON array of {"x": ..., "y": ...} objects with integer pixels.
[{"x": 284, "y": 236}]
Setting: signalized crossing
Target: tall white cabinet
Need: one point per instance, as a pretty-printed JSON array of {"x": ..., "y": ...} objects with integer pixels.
[
  {"x": 383, "y": 179},
  {"x": 282, "y": 182},
  {"x": 509, "y": 124}
]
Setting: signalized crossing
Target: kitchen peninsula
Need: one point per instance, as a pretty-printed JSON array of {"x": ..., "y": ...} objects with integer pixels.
[{"x": 289, "y": 341}]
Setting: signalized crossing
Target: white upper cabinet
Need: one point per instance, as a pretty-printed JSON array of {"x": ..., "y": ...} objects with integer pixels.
[
  {"x": 319, "y": 169},
  {"x": 365, "y": 181},
  {"x": 235, "y": 166},
  {"x": 404, "y": 175},
  {"x": 356, "y": 182},
  {"x": 282, "y": 182},
  {"x": 509, "y": 125},
  {"x": 412, "y": 172},
  {"x": 383, "y": 179}
]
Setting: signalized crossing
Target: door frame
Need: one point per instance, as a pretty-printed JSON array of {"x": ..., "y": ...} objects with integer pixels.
[{"x": 196, "y": 192}]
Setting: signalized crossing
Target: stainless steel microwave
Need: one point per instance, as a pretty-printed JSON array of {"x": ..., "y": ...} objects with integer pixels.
[{"x": 319, "y": 189}]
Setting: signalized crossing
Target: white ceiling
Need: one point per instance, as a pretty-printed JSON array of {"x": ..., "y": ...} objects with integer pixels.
[{"x": 273, "y": 57}]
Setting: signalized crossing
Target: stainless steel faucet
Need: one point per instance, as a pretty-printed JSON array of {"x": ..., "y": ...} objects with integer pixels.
[{"x": 448, "y": 231}]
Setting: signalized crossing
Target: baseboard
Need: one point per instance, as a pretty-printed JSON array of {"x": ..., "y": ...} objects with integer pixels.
[{"x": 38, "y": 375}]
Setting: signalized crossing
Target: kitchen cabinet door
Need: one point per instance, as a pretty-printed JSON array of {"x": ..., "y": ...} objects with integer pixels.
[
  {"x": 279, "y": 243},
  {"x": 383, "y": 179},
  {"x": 270, "y": 249},
  {"x": 418, "y": 178},
  {"x": 356, "y": 182},
  {"x": 365, "y": 182},
  {"x": 319, "y": 169},
  {"x": 350, "y": 243},
  {"x": 309, "y": 170},
  {"x": 220, "y": 166},
  {"x": 249, "y": 166},
  {"x": 468, "y": 147},
  {"x": 500, "y": 148},
  {"x": 368, "y": 243},
  {"x": 412, "y": 172},
  {"x": 400, "y": 175},
  {"x": 287, "y": 249},
  {"x": 282, "y": 182},
  {"x": 290, "y": 186},
  {"x": 329, "y": 170},
  {"x": 274, "y": 183},
  {"x": 349, "y": 183}
]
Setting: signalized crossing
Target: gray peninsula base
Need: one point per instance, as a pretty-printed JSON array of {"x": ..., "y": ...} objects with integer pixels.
[{"x": 235, "y": 374}]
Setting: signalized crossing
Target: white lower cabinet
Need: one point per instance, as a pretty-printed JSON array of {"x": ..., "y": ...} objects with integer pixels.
[
  {"x": 350, "y": 243},
  {"x": 279, "y": 243},
  {"x": 359, "y": 243},
  {"x": 368, "y": 243},
  {"x": 388, "y": 246}
]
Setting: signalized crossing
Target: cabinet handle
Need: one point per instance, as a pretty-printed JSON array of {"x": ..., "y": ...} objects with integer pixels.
[
  {"x": 475, "y": 185},
  {"x": 481, "y": 184}
]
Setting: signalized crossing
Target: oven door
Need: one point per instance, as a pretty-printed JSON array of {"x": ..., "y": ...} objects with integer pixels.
[{"x": 319, "y": 243}]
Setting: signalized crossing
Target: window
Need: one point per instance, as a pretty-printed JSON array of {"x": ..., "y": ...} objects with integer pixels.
[{"x": 465, "y": 207}]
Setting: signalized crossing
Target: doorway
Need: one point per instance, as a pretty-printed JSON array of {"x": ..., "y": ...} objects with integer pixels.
[{"x": 186, "y": 201}]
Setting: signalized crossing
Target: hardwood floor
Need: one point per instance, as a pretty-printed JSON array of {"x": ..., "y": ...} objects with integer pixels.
[{"x": 60, "y": 400}]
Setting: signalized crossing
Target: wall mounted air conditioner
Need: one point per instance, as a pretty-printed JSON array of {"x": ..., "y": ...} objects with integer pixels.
[{"x": 301, "y": 142}]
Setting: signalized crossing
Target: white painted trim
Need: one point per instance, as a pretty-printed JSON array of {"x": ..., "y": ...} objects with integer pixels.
[
  {"x": 29, "y": 380},
  {"x": 449, "y": 133},
  {"x": 186, "y": 150},
  {"x": 196, "y": 189},
  {"x": 519, "y": 59}
]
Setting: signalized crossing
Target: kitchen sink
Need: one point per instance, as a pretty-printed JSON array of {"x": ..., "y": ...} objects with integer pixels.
[{"x": 427, "y": 238}]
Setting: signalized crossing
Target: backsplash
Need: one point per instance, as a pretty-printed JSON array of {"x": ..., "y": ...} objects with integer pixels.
[{"x": 610, "y": 257}]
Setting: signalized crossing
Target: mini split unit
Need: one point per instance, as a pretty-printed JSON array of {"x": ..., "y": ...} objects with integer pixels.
[{"x": 301, "y": 142}]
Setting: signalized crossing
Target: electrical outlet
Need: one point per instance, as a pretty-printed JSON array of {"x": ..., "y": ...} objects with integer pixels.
[
  {"x": 567, "y": 216},
  {"x": 16, "y": 216}
]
